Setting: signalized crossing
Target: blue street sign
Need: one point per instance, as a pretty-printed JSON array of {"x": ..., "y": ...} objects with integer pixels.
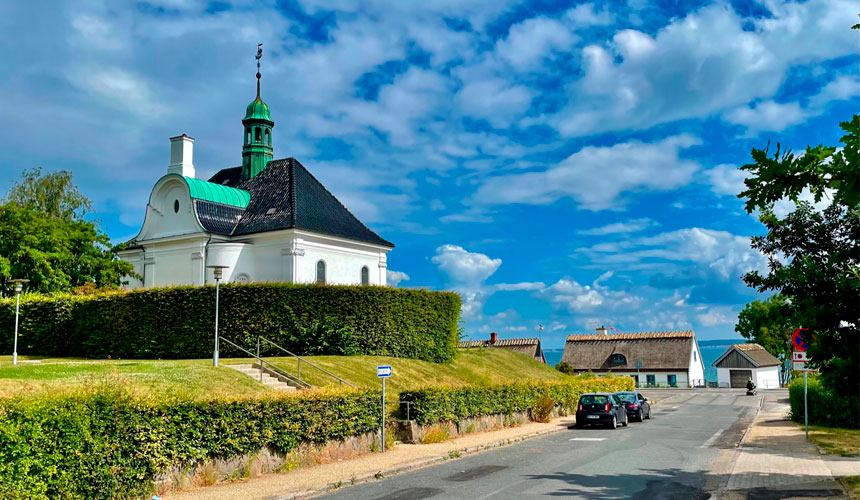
[{"x": 383, "y": 371}]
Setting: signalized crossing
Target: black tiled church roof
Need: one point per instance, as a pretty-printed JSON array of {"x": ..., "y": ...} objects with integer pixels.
[{"x": 283, "y": 196}]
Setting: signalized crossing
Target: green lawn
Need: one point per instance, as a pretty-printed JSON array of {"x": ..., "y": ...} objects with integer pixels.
[
  {"x": 470, "y": 366},
  {"x": 851, "y": 484},
  {"x": 836, "y": 441},
  {"x": 199, "y": 379},
  {"x": 194, "y": 378}
]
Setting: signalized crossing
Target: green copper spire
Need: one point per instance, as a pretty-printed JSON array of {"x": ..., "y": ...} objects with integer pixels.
[{"x": 257, "y": 148}]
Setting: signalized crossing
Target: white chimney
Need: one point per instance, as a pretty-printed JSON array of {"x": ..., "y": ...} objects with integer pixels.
[
  {"x": 181, "y": 156},
  {"x": 602, "y": 331}
]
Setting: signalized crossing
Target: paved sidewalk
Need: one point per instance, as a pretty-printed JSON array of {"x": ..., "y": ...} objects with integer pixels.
[
  {"x": 774, "y": 460},
  {"x": 308, "y": 481}
]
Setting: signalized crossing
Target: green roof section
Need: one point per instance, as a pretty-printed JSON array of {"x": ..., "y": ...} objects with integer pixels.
[
  {"x": 258, "y": 110},
  {"x": 217, "y": 193}
]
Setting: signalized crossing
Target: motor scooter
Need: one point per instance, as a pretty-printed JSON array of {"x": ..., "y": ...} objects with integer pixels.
[{"x": 751, "y": 391}]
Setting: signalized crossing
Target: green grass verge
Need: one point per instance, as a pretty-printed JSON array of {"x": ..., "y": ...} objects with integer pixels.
[
  {"x": 470, "y": 367},
  {"x": 835, "y": 440},
  {"x": 851, "y": 485},
  {"x": 194, "y": 378}
]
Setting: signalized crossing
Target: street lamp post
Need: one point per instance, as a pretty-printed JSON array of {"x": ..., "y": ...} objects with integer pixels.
[
  {"x": 217, "y": 271},
  {"x": 19, "y": 284}
]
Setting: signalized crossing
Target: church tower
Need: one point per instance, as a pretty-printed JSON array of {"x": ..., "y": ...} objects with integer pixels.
[{"x": 257, "y": 146}]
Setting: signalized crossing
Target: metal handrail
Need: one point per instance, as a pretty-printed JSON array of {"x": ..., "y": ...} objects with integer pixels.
[
  {"x": 274, "y": 368},
  {"x": 301, "y": 359}
]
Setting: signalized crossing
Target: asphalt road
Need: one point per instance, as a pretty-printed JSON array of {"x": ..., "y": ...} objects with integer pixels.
[{"x": 665, "y": 458}]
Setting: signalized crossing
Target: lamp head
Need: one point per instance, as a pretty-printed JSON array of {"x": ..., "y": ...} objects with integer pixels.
[
  {"x": 18, "y": 284},
  {"x": 218, "y": 271}
]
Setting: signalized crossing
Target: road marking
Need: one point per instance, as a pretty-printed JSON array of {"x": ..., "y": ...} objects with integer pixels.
[
  {"x": 675, "y": 407},
  {"x": 588, "y": 439},
  {"x": 711, "y": 440}
]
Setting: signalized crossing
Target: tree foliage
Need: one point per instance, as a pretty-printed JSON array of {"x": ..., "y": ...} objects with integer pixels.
[
  {"x": 53, "y": 194},
  {"x": 813, "y": 254},
  {"x": 768, "y": 323},
  {"x": 45, "y": 238}
]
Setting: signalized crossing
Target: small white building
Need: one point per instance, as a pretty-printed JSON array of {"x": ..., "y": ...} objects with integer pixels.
[
  {"x": 268, "y": 220},
  {"x": 670, "y": 359},
  {"x": 742, "y": 362}
]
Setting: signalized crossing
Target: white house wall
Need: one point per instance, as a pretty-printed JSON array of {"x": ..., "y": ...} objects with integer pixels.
[
  {"x": 767, "y": 377},
  {"x": 343, "y": 260},
  {"x": 697, "y": 366},
  {"x": 161, "y": 219}
]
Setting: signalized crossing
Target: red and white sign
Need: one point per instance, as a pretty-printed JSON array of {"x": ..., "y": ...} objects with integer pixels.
[{"x": 799, "y": 356}]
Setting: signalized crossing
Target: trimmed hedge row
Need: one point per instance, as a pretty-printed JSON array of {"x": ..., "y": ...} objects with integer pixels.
[
  {"x": 825, "y": 407},
  {"x": 434, "y": 404},
  {"x": 107, "y": 446},
  {"x": 178, "y": 322}
]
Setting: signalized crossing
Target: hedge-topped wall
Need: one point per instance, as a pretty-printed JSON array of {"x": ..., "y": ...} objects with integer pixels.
[
  {"x": 435, "y": 404},
  {"x": 178, "y": 322},
  {"x": 110, "y": 445}
]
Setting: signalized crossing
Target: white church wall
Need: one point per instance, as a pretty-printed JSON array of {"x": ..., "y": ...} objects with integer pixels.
[
  {"x": 169, "y": 212},
  {"x": 169, "y": 263},
  {"x": 238, "y": 257},
  {"x": 343, "y": 258}
]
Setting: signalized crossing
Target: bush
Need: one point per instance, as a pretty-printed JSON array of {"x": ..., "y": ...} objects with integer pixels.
[
  {"x": 542, "y": 409},
  {"x": 825, "y": 407},
  {"x": 178, "y": 322},
  {"x": 108, "y": 445},
  {"x": 435, "y": 404},
  {"x": 564, "y": 367}
]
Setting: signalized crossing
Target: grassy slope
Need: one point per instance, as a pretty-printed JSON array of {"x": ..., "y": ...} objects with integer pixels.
[
  {"x": 186, "y": 378},
  {"x": 198, "y": 378},
  {"x": 473, "y": 366}
]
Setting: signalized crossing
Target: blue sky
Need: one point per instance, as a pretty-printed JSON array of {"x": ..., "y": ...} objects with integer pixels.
[{"x": 556, "y": 163}]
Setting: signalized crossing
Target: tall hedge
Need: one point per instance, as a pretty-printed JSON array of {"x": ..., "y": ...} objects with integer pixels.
[
  {"x": 178, "y": 322},
  {"x": 434, "y": 404},
  {"x": 825, "y": 407},
  {"x": 109, "y": 445}
]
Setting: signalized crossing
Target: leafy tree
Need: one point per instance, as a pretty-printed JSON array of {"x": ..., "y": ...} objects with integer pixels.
[
  {"x": 813, "y": 255},
  {"x": 768, "y": 323},
  {"x": 45, "y": 238},
  {"x": 52, "y": 194},
  {"x": 564, "y": 367}
]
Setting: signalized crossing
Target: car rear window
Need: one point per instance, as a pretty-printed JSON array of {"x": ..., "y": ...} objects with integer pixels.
[
  {"x": 594, "y": 400},
  {"x": 627, "y": 396}
]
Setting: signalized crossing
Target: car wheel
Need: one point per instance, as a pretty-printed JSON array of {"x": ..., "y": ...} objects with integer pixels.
[
  {"x": 614, "y": 424},
  {"x": 639, "y": 416},
  {"x": 626, "y": 421},
  {"x": 580, "y": 425},
  {"x": 649, "y": 413}
]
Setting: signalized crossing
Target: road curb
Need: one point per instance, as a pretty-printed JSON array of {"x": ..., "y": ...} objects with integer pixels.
[
  {"x": 410, "y": 466},
  {"x": 746, "y": 432}
]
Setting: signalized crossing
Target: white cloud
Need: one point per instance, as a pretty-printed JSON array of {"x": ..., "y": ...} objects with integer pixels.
[
  {"x": 626, "y": 167},
  {"x": 726, "y": 180},
  {"x": 767, "y": 116},
  {"x": 715, "y": 317},
  {"x": 513, "y": 287},
  {"x": 530, "y": 41},
  {"x": 394, "y": 278},
  {"x": 628, "y": 226},
  {"x": 584, "y": 15},
  {"x": 463, "y": 267},
  {"x": 494, "y": 99},
  {"x": 838, "y": 89}
]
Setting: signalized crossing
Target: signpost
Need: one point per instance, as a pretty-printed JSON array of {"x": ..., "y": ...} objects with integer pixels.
[
  {"x": 799, "y": 362},
  {"x": 638, "y": 365},
  {"x": 383, "y": 372}
]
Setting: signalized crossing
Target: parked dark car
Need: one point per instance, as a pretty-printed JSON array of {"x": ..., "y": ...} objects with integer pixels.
[
  {"x": 638, "y": 408},
  {"x": 601, "y": 408}
]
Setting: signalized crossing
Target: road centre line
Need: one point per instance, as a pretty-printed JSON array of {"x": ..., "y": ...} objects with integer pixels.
[{"x": 588, "y": 439}]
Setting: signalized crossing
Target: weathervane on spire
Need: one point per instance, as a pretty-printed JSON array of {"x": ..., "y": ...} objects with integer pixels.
[{"x": 259, "y": 56}]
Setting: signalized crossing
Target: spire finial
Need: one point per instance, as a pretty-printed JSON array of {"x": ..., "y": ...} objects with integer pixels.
[{"x": 259, "y": 56}]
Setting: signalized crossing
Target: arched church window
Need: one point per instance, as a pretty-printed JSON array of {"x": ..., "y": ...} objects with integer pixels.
[
  {"x": 365, "y": 275},
  {"x": 257, "y": 135},
  {"x": 321, "y": 272},
  {"x": 176, "y": 206},
  {"x": 268, "y": 138}
]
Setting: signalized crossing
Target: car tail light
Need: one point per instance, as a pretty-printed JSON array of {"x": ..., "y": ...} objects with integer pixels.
[
  {"x": 607, "y": 407},
  {"x": 633, "y": 406},
  {"x": 580, "y": 407}
]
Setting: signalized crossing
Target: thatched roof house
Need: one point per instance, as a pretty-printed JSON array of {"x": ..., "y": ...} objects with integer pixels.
[
  {"x": 529, "y": 346},
  {"x": 663, "y": 358}
]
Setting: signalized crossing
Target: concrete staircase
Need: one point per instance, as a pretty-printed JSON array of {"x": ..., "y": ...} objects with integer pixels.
[{"x": 269, "y": 381}]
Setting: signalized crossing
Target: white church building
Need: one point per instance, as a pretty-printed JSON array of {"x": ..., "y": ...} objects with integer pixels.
[{"x": 267, "y": 220}]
